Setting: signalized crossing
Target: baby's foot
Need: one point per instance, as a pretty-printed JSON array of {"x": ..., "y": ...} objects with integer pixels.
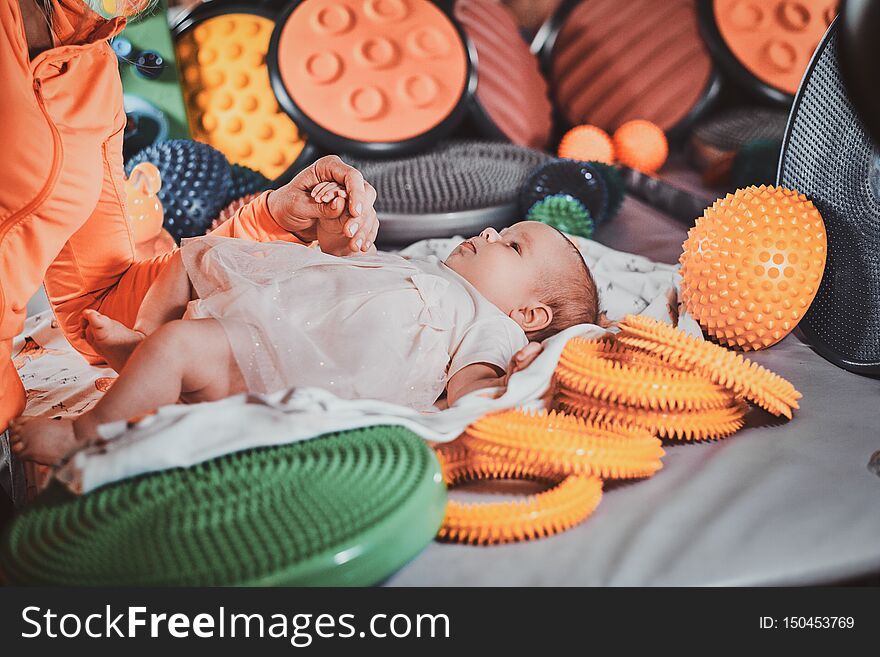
[
  {"x": 111, "y": 339},
  {"x": 41, "y": 439}
]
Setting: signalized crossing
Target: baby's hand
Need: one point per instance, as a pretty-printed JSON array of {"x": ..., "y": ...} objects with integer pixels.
[
  {"x": 520, "y": 361},
  {"x": 326, "y": 192}
]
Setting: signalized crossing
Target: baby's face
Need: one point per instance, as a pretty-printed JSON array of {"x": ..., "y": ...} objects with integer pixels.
[{"x": 507, "y": 267}]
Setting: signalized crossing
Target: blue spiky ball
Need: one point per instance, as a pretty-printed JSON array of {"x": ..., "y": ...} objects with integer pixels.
[
  {"x": 196, "y": 180},
  {"x": 246, "y": 181},
  {"x": 564, "y": 212}
]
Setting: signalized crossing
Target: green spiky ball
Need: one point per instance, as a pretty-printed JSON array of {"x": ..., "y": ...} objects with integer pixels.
[
  {"x": 614, "y": 183},
  {"x": 564, "y": 212}
]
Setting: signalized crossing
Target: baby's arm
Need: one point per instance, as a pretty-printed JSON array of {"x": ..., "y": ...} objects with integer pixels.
[
  {"x": 483, "y": 375},
  {"x": 472, "y": 377}
]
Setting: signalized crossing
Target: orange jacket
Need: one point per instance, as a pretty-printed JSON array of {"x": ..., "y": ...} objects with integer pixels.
[{"x": 62, "y": 204}]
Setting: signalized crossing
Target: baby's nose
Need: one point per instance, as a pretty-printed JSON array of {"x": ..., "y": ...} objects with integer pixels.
[{"x": 490, "y": 234}]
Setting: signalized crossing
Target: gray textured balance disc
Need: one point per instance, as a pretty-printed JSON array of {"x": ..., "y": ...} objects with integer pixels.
[
  {"x": 828, "y": 156},
  {"x": 457, "y": 188}
]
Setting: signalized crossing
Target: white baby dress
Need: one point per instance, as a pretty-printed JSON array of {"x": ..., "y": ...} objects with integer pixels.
[{"x": 375, "y": 326}]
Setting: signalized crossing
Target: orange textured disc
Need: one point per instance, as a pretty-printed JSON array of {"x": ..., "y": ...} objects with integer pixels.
[
  {"x": 565, "y": 444},
  {"x": 752, "y": 265},
  {"x": 757, "y": 384},
  {"x": 570, "y": 501},
  {"x": 774, "y": 39},
  {"x": 608, "y": 371},
  {"x": 229, "y": 100},
  {"x": 641, "y": 145},
  {"x": 511, "y": 89},
  {"x": 382, "y": 71},
  {"x": 686, "y": 425},
  {"x": 587, "y": 143},
  {"x": 614, "y": 61}
]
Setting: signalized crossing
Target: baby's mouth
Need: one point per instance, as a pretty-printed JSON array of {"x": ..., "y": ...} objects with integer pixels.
[{"x": 467, "y": 244}]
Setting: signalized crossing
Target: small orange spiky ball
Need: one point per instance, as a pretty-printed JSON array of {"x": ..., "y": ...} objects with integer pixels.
[
  {"x": 588, "y": 144},
  {"x": 752, "y": 265},
  {"x": 641, "y": 145}
]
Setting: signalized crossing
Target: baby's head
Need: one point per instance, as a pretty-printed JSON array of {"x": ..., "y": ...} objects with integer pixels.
[{"x": 533, "y": 273}]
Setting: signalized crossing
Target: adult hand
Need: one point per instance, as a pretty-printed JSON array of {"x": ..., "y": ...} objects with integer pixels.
[{"x": 295, "y": 210}]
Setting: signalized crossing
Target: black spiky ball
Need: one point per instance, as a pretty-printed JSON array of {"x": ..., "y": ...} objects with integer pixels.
[
  {"x": 196, "y": 180},
  {"x": 614, "y": 183},
  {"x": 246, "y": 181},
  {"x": 580, "y": 180}
]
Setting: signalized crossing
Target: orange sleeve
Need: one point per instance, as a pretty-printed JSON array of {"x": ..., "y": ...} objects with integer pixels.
[
  {"x": 254, "y": 222},
  {"x": 251, "y": 222}
]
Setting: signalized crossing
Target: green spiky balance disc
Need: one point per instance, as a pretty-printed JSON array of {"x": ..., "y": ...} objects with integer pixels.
[
  {"x": 563, "y": 212},
  {"x": 345, "y": 509}
]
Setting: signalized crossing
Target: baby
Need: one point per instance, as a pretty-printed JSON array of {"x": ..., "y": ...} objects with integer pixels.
[{"x": 230, "y": 316}]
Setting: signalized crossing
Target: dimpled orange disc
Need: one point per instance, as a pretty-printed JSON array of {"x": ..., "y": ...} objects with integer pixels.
[
  {"x": 774, "y": 39},
  {"x": 230, "y": 103},
  {"x": 752, "y": 265},
  {"x": 372, "y": 70}
]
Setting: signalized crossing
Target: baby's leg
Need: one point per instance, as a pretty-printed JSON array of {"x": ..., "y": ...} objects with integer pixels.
[
  {"x": 188, "y": 359},
  {"x": 164, "y": 302},
  {"x": 166, "y": 299}
]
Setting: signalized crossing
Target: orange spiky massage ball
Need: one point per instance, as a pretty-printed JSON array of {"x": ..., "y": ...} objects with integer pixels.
[
  {"x": 752, "y": 265},
  {"x": 641, "y": 145},
  {"x": 588, "y": 144}
]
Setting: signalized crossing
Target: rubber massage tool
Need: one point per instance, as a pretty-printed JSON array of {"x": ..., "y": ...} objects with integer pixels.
[
  {"x": 725, "y": 368},
  {"x": 613, "y": 373},
  {"x": 565, "y": 444},
  {"x": 588, "y": 144},
  {"x": 640, "y": 145},
  {"x": 610, "y": 62},
  {"x": 703, "y": 424},
  {"x": 580, "y": 180},
  {"x": 751, "y": 265},
  {"x": 221, "y": 48},
  {"x": 568, "y": 501},
  {"x": 765, "y": 45},
  {"x": 512, "y": 98},
  {"x": 378, "y": 77},
  {"x": 829, "y": 156},
  {"x": 564, "y": 212},
  {"x": 457, "y": 188},
  {"x": 345, "y": 509}
]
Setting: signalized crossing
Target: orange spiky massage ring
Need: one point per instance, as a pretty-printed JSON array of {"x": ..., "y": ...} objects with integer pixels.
[
  {"x": 614, "y": 373},
  {"x": 569, "y": 501},
  {"x": 752, "y": 265},
  {"x": 565, "y": 444},
  {"x": 704, "y": 424},
  {"x": 760, "y": 386}
]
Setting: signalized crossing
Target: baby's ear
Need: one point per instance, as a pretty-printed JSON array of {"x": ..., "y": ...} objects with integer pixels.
[{"x": 533, "y": 318}]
